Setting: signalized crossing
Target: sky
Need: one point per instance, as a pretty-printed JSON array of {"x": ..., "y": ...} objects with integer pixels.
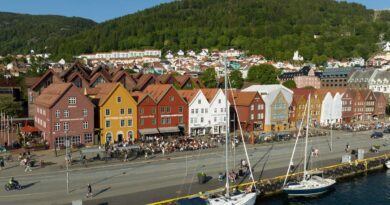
[{"x": 102, "y": 10}]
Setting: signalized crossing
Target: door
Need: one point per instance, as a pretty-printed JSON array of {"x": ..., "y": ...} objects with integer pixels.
[{"x": 120, "y": 137}]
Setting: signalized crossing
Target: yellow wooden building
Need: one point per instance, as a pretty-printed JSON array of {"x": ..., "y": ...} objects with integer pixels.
[{"x": 117, "y": 118}]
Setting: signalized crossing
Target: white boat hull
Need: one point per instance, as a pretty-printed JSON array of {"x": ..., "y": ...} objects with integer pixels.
[
  {"x": 388, "y": 164},
  {"x": 239, "y": 199},
  {"x": 310, "y": 188}
]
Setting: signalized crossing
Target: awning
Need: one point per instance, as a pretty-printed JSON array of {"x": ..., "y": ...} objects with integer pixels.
[
  {"x": 168, "y": 129},
  {"x": 29, "y": 128},
  {"x": 148, "y": 131}
]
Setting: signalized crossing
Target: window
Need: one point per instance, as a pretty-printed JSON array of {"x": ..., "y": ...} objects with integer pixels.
[
  {"x": 141, "y": 111},
  {"x": 85, "y": 112},
  {"x": 252, "y": 117},
  {"x": 60, "y": 141},
  {"x": 75, "y": 140},
  {"x": 153, "y": 121},
  {"x": 201, "y": 119},
  {"x": 141, "y": 122},
  {"x": 168, "y": 109},
  {"x": 172, "y": 98},
  {"x": 66, "y": 113},
  {"x": 72, "y": 100},
  {"x": 192, "y": 111},
  {"x": 88, "y": 138},
  {"x": 129, "y": 122},
  {"x": 57, "y": 114},
  {"x": 206, "y": 110},
  {"x": 129, "y": 111},
  {"x": 215, "y": 129},
  {"x": 192, "y": 120},
  {"x": 196, "y": 110},
  {"x": 252, "y": 107},
  {"x": 122, "y": 123},
  {"x": 108, "y": 112},
  {"x": 162, "y": 109},
  {"x": 180, "y": 109},
  {"x": 219, "y": 101},
  {"x": 258, "y": 107},
  {"x": 108, "y": 137},
  {"x": 154, "y": 110},
  {"x": 202, "y": 110},
  {"x": 57, "y": 126},
  {"x": 108, "y": 123},
  {"x": 215, "y": 110},
  {"x": 122, "y": 111},
  {"x": 85, "y": 125},
  {"x": 221, "y": 110},
  {"x": 258, "y": 116},
  {"x": 199, "y": 101},
  {"x": 118, "y": 99},
  {"x": 180, "y": 119},
  {"x": 66, "y": 126},
  {"x": 215, "y": 119}
]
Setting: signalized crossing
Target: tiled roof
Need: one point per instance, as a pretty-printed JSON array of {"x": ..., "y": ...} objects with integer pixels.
[
  {"x": 241, "y": 98},
  {"x": 30, "y": 81},
  {"x": 102, "y": 92},
  {"x": 157, "y": 91},
  {"x": 51, "y": 94},
  {"x": 188, "y": 95},
  {"x": 143, "y": 80},
  {"x": 303, "y": 91},
  {"x": 209, "y": 93}
]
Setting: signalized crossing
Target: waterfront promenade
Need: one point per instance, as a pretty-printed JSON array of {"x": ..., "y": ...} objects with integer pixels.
[{"x": 144, "y": 181}]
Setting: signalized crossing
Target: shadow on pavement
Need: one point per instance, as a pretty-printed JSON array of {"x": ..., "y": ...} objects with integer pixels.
[
  {"x": 102, "y": 190},
  {"x": 29, "y": 185}
]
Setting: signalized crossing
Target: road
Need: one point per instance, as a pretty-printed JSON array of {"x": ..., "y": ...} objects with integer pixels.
[{"x": 145, "y": 181}]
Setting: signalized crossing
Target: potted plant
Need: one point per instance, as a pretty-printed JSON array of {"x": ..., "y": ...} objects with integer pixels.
[{"x": 201, "y": 178}]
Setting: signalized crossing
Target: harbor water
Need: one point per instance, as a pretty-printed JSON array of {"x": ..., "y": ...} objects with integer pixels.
[{"x": 373, "y": 188}]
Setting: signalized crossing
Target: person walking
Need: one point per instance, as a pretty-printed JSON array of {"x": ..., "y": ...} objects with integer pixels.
[
  {"x": 2, "y": 164},
  {"x": 89, "y": 191},
  {"x": 28, "y": 166}
]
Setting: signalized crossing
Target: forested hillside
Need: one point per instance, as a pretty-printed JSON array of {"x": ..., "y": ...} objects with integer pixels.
[
  {"x": 274, "y": 28},
  {"x": 19, "y": 33}
]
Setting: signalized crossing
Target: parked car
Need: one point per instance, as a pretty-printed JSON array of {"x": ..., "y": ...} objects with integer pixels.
[
  {"x": 387, "y": 130},
  {"x": 376, "y": 135}
]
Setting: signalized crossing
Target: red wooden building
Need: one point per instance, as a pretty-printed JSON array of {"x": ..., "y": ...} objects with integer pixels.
[
  {"x": 171, "y": 111},
  {"x": 250, "y": 110}
]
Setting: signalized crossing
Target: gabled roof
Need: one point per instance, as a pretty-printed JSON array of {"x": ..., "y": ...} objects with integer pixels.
[
  {"x": 140, "y": 96},
  {"x": 163, "y": 79},
  {"x": 157, "y": 91},
  {"x": 242, "y": 98},
  {"x": 303, "y": 91},
  {"x": 47, "y": 73},
  {"x": 52, "y": 94},
  {"x": 144, "y": 80},
  {"x": 102, "y": 92},
  {"x": 188, "y": 95},
  {"x": 100, "y": 74},
  {"x": 74, "y": 75},
  {"x": 210, "y": 93}
]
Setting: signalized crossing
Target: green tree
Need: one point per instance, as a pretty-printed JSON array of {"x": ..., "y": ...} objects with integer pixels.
[
  {"x": 130, "y": 71},
  {"x": 236, "y": 79},
  {"x": 9, "y": 106},
  {"x": 290, "y": 84},
  {"x": 209, "y": 78},
  {"x": 319, "y": 60},
  {"x": 263, "y": 74}
]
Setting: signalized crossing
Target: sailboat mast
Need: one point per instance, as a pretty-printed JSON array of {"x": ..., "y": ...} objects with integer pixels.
[
  {"x": 307, "y": 134},
  {"x": 226, "y": 132}
]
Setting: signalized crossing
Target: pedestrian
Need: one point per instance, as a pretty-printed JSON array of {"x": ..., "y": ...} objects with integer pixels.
[
  {"x": 146, "y": 155},
  {"x": 2, "y": 164},
  {"x": 125, "y": 157},
  {"x": 89, "y": 191},
  {"x": 28, "y": 166}
]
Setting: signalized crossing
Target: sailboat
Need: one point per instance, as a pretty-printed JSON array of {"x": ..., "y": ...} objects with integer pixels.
[
  {"x": 237, "y": 197},
  {"x": 311, "y": 184}
]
